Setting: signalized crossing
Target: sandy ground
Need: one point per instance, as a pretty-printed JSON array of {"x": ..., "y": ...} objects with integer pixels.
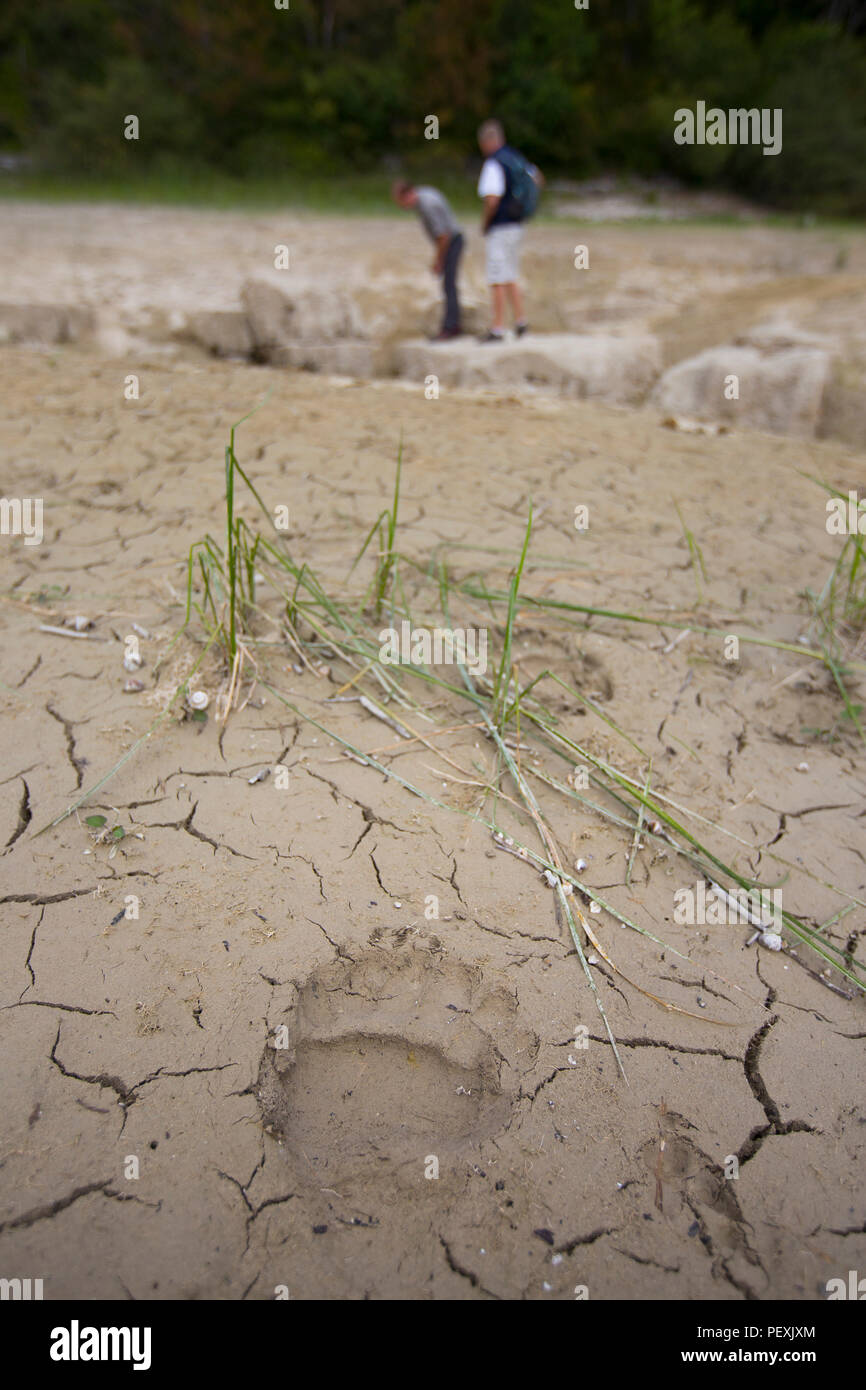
[{"x": 412, "y": 1037}]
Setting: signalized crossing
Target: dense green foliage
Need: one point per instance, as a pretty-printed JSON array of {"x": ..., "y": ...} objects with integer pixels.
[{"x": 333, "y": 85}]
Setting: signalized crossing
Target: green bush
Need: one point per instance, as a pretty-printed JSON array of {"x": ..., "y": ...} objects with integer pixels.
[
  {"x": 818, "y": 77},
  {"x": 86, "y": 124}
]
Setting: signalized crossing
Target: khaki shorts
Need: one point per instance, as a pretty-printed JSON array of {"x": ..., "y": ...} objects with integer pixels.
[{"x": 503, "y": 253}]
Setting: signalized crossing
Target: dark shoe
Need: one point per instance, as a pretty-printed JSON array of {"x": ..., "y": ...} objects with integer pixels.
[
  {"x": 490, "y": 337},
  {"x": 521, "y": 328},
  {"x": 446, "y": 334}
]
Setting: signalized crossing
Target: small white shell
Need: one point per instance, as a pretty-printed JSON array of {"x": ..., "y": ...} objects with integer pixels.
[
  {"x": 771, "y": 940},
  {"x": 132, "y": 661},
  {"x": 550, "y": 879},
  {"x": 579, "y": 866},
  {"x": 198, "y": 699},
  {"x": 79, "y": 624}
]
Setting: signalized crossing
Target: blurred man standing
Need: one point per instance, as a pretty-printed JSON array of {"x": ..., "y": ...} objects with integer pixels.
[
  {"x": 509, "y": 185},
  {"x": 444, "y": 231}
]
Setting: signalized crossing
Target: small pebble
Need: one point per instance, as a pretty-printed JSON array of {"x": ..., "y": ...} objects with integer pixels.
[{"x": 771, "y": 940}]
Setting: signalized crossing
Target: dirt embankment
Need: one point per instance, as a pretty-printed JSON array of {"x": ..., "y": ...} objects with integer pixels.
[{"x": 753, "y": 326}]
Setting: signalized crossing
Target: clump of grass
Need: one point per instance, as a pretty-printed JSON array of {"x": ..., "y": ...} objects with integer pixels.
[
  {"x": 841, "y": 603},
  {"x": 505, "y": 675},
  {"x": 696, "y": 555},
  {"x": 385, "y": 527},
  {"x": 839, "y": 614}
]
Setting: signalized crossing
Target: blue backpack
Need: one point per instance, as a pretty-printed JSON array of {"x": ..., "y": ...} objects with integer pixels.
[{"x": 521, "y": 190}]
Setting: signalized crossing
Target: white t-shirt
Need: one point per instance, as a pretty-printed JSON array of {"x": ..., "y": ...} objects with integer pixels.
[{"x": 492, "y": 181}]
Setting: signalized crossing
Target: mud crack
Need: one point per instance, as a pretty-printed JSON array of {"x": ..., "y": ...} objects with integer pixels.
[
  {"x": 775, "y": 1124},
  {"x": 78, "y": 764},
  {"x": 25, "y": 816}
]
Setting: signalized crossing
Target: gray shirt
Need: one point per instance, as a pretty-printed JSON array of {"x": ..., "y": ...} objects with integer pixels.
[{"x": 435, "y": 213}]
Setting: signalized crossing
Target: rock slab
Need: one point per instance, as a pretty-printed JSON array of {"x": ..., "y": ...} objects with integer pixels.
[{"x": 604, "y": 367}]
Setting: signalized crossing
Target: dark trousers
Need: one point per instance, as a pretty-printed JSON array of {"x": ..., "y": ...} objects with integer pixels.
[{"x": 451, "y": 321}]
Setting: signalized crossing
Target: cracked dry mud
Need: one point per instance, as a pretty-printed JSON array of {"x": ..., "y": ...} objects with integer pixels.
[{"x": 259, "y": 911}]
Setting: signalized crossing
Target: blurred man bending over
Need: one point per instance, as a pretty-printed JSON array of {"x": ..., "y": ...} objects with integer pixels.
[{"x": 443, "y": 230}]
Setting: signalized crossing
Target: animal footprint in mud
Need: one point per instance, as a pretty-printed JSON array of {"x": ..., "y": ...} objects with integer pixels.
[
  {"x": 575, "y": 668},
  {"x": 391, "y": 1057},
  {"x": 592, "y": 677}
]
